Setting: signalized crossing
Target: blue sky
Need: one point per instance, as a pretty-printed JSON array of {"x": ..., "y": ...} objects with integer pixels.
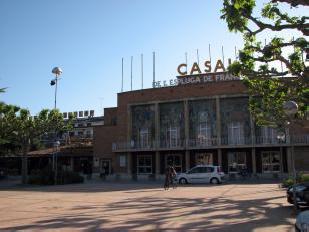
[{"x": 88, "y": 38}]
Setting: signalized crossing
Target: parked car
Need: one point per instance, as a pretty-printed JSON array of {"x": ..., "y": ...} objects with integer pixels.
[
  {"x": 302, "y": 222},
  {"x": 202, "y": 174},
  {"x": 302, "y": 194}
]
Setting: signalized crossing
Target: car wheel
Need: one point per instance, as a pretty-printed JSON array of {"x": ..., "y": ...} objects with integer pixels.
[
  {"x": 183, "y": 181},
  {"x": 214, "y": 181}
]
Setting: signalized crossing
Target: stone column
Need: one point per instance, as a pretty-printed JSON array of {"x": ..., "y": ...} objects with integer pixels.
[
  {"x": 129, "y": 163},
  {"x": 157, "y": 126},
  {"x": 187, "y": 123},
  {"x": 72, "y": 164},
  {"x": 281, "y": 160},
  {"x": 220, "y": 157},
  {"x": 158, "y": 166},
  {"x": 187, "y": 160},
  {"x": 187, "y": 134},
  {"x": 252, "y": 131},
  {"x": 218, "y": 120},
  {"x": 253, "y": 155},
  {"x": 129, "y": 126},
  {"x": 289, "y": 160}
]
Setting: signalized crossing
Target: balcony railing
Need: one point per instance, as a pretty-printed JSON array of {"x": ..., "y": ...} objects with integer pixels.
[
  {"x": 269, "y": 140},
  {"x": 210, "y": 143},
  {"x": 203, "y": 143},
  {"x": 236, "y": 140}
]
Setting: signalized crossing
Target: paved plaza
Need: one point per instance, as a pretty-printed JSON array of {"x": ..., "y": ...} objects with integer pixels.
[{"x": 146, "y": 206}]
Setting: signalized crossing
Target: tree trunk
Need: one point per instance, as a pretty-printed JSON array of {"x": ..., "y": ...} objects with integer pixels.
[{"x": 24, "y": 166}]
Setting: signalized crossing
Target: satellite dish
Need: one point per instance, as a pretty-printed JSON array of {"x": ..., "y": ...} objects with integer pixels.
[
  {"x": 290, "y": 108},
  {"x": 57, "y": 71}
]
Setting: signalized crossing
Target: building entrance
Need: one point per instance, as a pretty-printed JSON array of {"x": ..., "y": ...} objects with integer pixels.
[{"x": 105, "y": 167}]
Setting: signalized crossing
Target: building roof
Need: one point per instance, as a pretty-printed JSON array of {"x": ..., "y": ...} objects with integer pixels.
[{"x": 77, "y": 149}]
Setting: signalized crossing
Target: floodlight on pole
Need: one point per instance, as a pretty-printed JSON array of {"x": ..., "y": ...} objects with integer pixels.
[
  {"x": 57, "y": 72},
  {"x": 290, "y": 108}
]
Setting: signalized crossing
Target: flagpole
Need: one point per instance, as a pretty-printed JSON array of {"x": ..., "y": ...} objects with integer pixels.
[{"x": 131, "y": 71}]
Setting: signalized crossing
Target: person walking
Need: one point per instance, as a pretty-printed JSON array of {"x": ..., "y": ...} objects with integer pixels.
[
  {"x": 173, "y": 174},
  {"x": 167, "y": 178}
]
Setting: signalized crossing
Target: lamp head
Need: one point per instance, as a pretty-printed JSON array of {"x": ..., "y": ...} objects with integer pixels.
[
  {"x": 290, "y": 108},
  {"x": 57, "y": 71}
]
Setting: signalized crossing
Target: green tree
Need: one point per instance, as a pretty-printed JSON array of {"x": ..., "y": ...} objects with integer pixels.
[
  {"x": 262, "y": 65},
  {"x": 19, "y": 130}
]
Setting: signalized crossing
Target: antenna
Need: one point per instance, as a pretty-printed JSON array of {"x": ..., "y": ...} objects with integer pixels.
[
  {"x": 154, "y": 66},
  {"x": 142, "y": 71},
  {"x": 209, "y": 53},
  {"x": 131, "y": 71},
  {"x": 198, "y": 57},
  {"x": 186, "y": 57},
  {"x": 222, "y": 54},
  {"x": 122, "y": 74}
]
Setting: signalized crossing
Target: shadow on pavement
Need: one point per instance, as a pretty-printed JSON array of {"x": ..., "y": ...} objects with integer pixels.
[
  {"x": 109, "y": 186},
  {"x": 173, "y": 213}
]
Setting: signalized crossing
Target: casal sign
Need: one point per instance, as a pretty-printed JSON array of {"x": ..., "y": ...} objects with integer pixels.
[{"x": 195, "y": 69}]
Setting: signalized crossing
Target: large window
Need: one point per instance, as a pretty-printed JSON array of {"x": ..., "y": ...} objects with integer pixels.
[
  {"x": 122, "y": 161},
  {"x": 236, "y": 133},
  {"x": 144, "y": 164},
  {"x": 144, "y": 137},
  {"x": 204, "y": 129},
  {"x": 237, "y": 161},
  {"x": 173, "y": 136},
  {"x": 271, "y": 161},
  {"x": 175, "y": 161}
]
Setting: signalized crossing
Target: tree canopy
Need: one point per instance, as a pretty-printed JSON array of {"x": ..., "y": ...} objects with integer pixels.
[
  {"x": 19, "y": 130},
  {"x": 271, "y": 65}
]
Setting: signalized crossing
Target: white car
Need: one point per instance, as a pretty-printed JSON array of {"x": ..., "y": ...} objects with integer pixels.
[{"x": 202, "y": 174}]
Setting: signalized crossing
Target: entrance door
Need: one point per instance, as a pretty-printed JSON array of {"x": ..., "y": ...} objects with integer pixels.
[
  {"x": 204, "y": 158},
  {"x": 106, "y": 167}
]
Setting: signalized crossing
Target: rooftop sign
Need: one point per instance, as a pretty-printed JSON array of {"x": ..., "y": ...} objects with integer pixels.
[
  {"x": 196, "y": 76},
  {"x": 195, "y": 69}
]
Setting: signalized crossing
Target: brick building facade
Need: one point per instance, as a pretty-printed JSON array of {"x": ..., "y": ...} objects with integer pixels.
[{"x": 190, "y": 124}]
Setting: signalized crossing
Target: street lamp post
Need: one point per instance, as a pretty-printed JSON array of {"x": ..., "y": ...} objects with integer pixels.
[
  {"x": 290, "y": 109},
  {"x": 57, "y": 72},
  {"x": 56, "y": 147}
]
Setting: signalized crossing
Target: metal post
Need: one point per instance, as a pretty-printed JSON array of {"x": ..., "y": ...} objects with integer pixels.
[
  {"x": 290, "y": 108},
  {"x": 57, "y": 71},
  {"x": 56, "y": 79},
  {"x": 142, "y": 71},
  {"x": 131, "y": 71},
  {"x": 294, "y": 176},
  {"x": 56, "y": 168},
  {"x": 122, "y": 75},
  {"x": 154, "y": 67}
]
